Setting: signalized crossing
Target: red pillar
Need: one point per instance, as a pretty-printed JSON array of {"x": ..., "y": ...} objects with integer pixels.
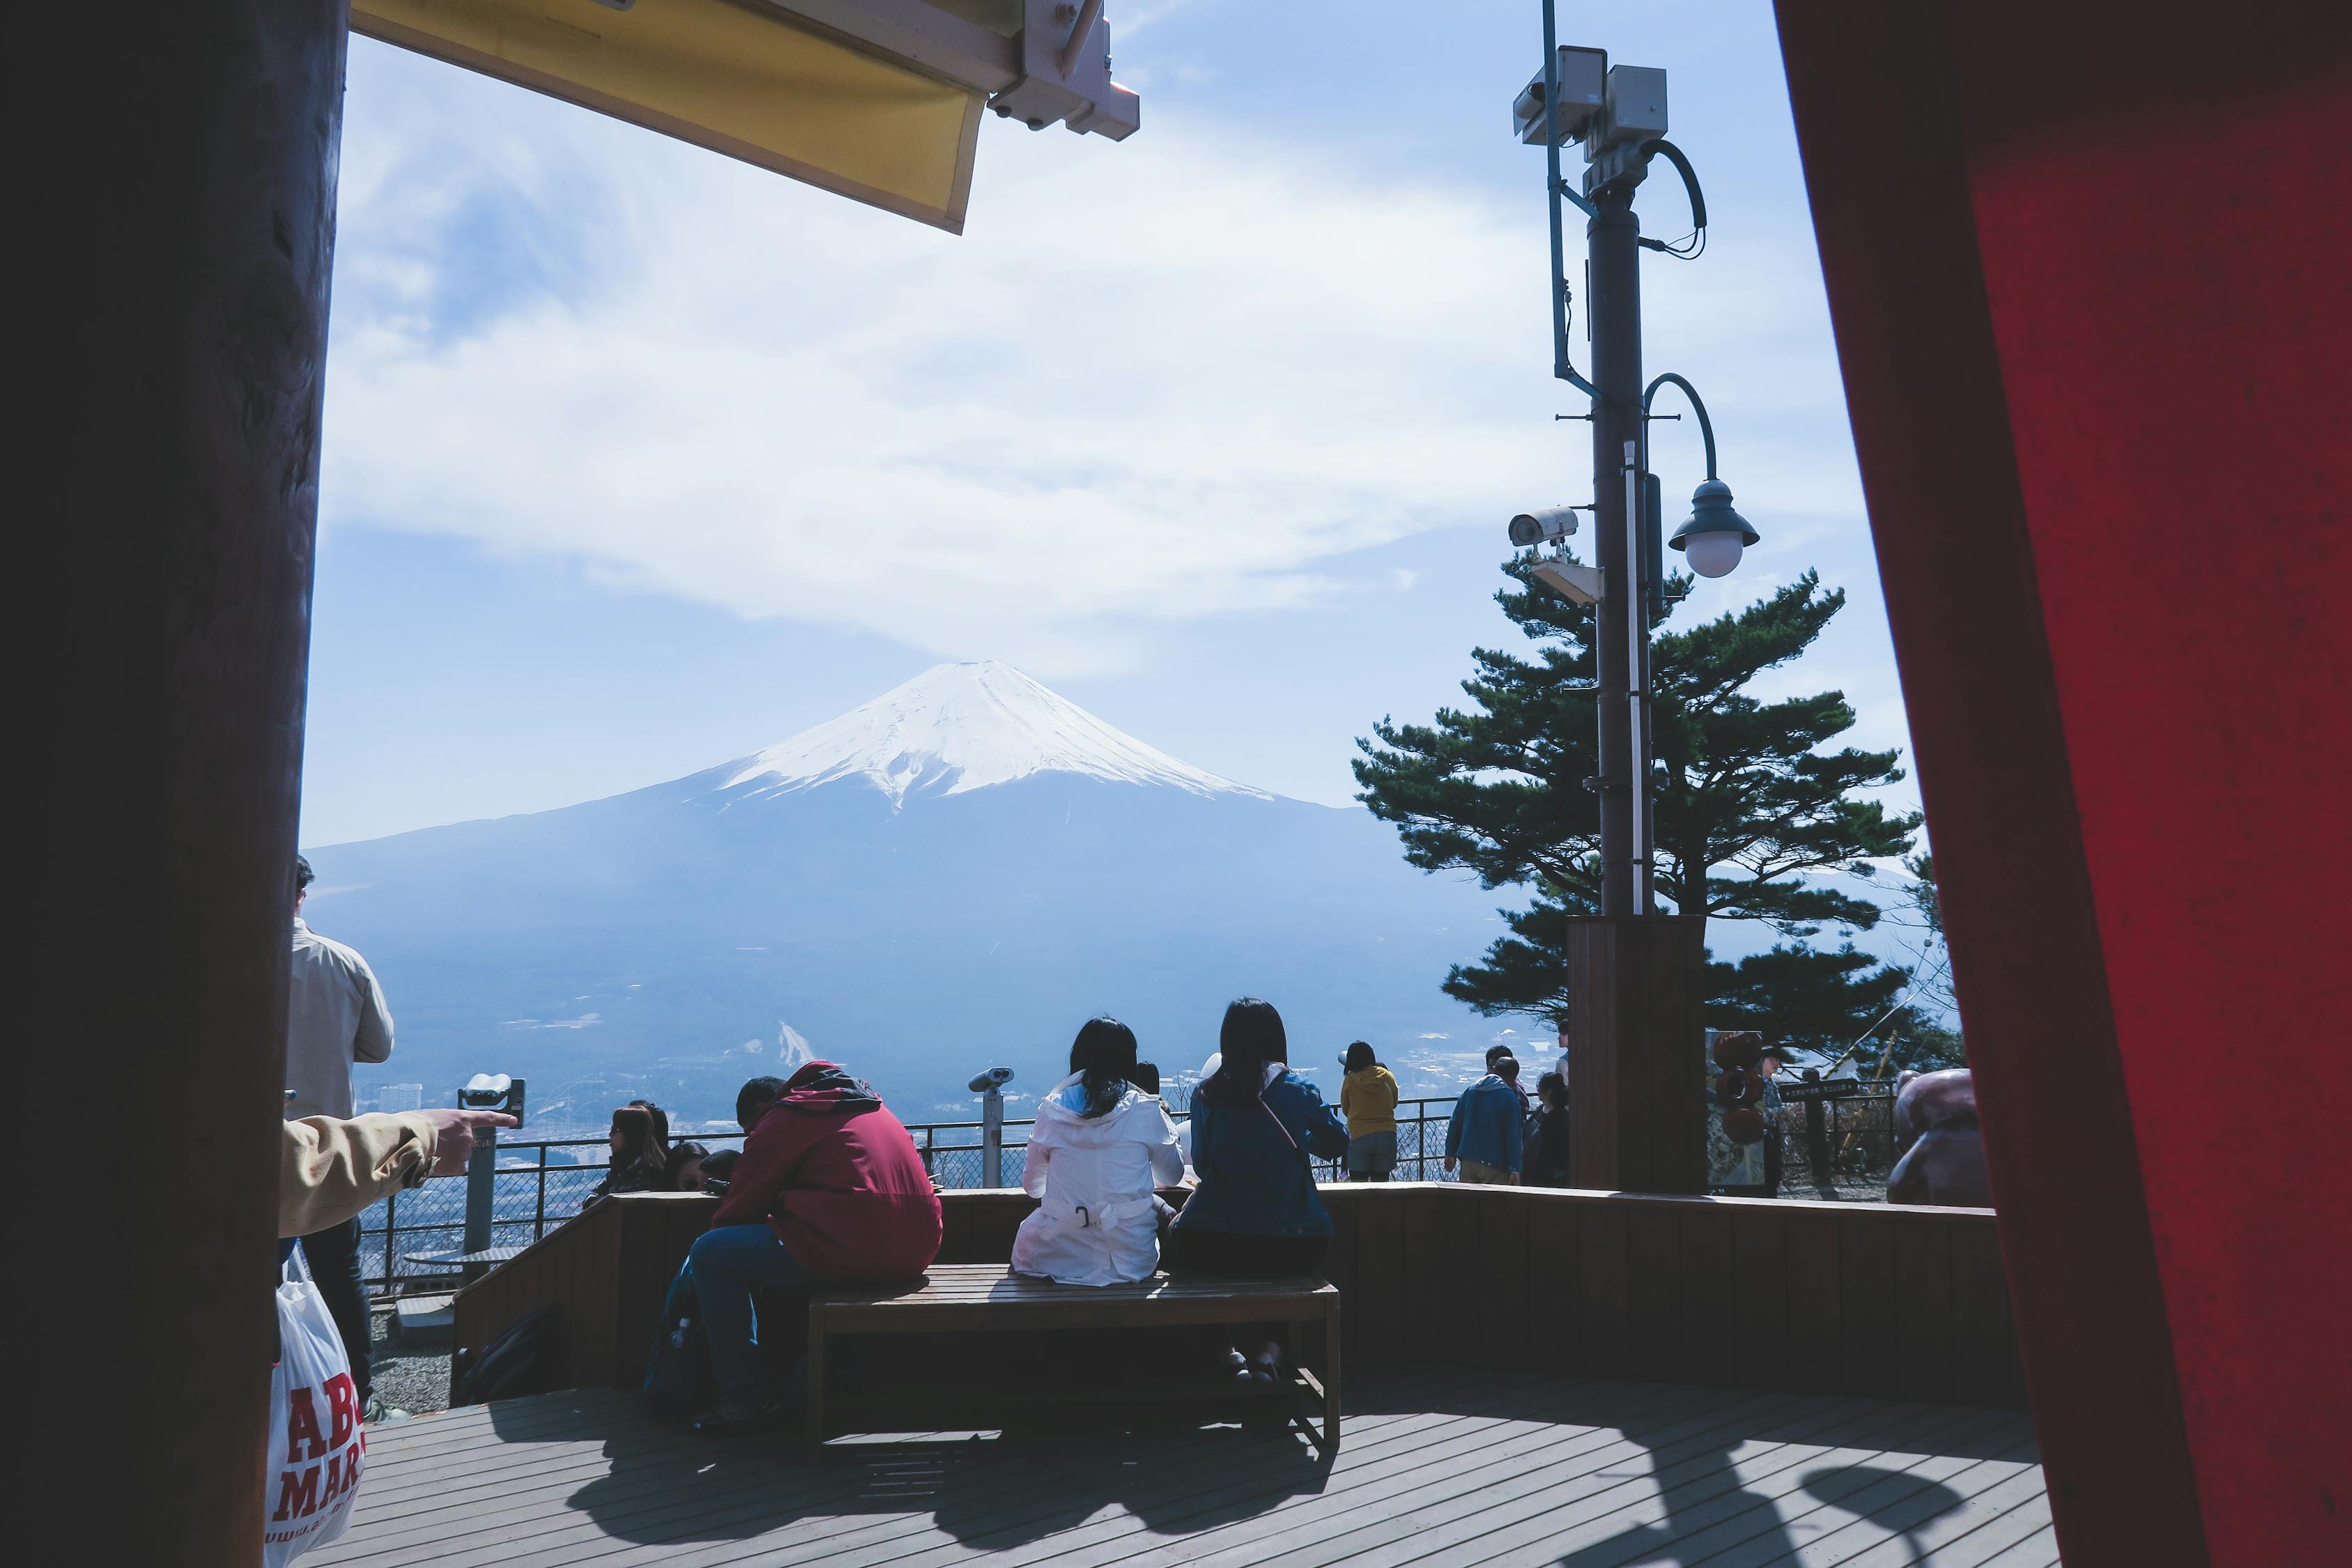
[
  {"x": 172, "y": 206},
  {"x": 2088, "y": 269}
]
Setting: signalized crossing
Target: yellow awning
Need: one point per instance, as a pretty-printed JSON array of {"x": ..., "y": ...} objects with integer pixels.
[{"x": 728, "y": 75}]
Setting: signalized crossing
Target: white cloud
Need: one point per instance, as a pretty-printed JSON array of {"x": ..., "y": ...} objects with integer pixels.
[{"x": 1173, "y": 378}]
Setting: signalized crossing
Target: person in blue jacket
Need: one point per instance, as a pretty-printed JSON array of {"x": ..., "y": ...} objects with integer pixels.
[
  {"x": 1487, "y": 1136},
  {"x": 1258, "y": 1128}
]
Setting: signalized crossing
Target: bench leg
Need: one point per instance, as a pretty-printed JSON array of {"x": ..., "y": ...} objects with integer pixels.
[
  {"x": 1331, "y": 1380},
  {"x": 813, "y": 1431}
]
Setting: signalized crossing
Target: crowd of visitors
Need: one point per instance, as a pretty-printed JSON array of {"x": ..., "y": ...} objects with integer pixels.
[{"x": 830, "y": 1188}]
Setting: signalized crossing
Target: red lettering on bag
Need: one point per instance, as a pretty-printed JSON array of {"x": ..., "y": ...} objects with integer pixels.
[
  {"x": 297, "y": 1502},
  {"x": 303, "y": 1427},
  {"x": 342, "y": 1408}
]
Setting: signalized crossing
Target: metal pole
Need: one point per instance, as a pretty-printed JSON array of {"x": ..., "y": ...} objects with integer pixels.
[
  {"x": 991, "y": 1139},
  {"x": 1622, "y": 636},
  {"x": 481, "y": 1173}
]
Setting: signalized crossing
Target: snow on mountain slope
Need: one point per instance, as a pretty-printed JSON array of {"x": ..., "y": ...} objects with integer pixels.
[{"x": 958, "y": 727}]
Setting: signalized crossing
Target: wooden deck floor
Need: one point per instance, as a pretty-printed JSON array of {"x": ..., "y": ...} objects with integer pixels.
[{"x": 1437, "y": 1466}]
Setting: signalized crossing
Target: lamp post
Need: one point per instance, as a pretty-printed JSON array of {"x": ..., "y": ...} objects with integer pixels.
[{"x": 1637, "y": 978}]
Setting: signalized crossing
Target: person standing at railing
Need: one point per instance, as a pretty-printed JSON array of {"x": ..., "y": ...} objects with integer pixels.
[
  {"x": 1487, "y": 1135},
  {"x": 1368, "y": 1097},
  {"x": 335, "y": 1015},
  {"x": 830, "y": 1190},
  {"x": 1098, "y": 1148},
  {"x": 1545, "y": 1161}
]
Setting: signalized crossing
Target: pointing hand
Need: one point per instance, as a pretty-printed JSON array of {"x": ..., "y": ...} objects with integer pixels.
[{"x": 454, "y": 1142}]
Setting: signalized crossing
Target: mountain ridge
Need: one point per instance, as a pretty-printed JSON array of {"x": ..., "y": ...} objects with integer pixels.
[{"x": 954, "y": 880}]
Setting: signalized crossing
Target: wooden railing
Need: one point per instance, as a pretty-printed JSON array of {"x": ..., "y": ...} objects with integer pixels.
[{"x": 1819, "y": 1298}]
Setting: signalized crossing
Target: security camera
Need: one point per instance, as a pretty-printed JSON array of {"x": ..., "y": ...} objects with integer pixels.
[
  {"x": 1583, "y": 84},
  {"x": 1545, "y": 525},
  {"x": 992, "y": 1080}
]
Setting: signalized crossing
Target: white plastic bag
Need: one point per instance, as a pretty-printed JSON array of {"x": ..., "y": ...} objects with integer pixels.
[{"x": 317, "y": 1447}]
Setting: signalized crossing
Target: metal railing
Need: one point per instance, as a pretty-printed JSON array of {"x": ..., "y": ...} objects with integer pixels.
[{"x": 531, "y": 1193}]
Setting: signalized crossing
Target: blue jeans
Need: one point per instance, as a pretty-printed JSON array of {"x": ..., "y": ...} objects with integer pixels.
[{"x": 729, "y": 1264}]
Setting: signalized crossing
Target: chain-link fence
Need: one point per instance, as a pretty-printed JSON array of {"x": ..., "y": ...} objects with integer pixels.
[{"x": 539, "y": 1184}]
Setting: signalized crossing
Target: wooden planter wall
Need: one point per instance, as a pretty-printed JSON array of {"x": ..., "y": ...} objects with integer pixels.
[{"x": 1852, "y": 1298}]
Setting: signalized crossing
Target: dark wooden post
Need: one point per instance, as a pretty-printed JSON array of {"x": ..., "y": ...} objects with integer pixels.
[
  {"x": 1636, "y": 1053},
  {"x": 174, "y": 219}
]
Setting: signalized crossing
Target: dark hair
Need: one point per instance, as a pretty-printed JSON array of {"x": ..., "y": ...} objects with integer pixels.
[
  {"x": 1360, "y": 1057},
  {"x": 1146, "y": 1078},
  {"x": 1548, "y": 1082},
  {"x": 1494, "y": 1053},
  {"x": 303, "y": 876},
  {"x": 1505, "y": 1067},
  {"x": 1103, "y": 1055},
  {"x": 681, "y": 1155},
  {"x": 640, "y": 1164},
  {"x": 661, "y": 1124},
  {"x": 755, "y": 1097},
  {"x": 1251, "y": 1036},
  {"x": 719, "y": 1165}
]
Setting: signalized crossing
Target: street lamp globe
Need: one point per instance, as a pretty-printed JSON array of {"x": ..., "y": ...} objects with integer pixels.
[{"x": 1716, "y": 535}]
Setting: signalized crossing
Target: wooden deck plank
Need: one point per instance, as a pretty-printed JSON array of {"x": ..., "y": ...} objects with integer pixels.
[
  {"x": 2039, "y": 1550},
  {"x": 1358, "y": 1498},
  {"x": 1995, "y": 1517},
  {"x": 1817, "y": 1504},
  {"x": 1895, "y": 1508},
  {"x": 1442, "y": 1465},
  {"x": 1013, "y": 1511},
  {"x": 1698, "y": 1502},
  {"x": 1521, "y": 1517},
  {"x": 1163, "y": 1497},
  {"x": 1425, "y": 1514},
  {"x": 1003, "y": 1479}
]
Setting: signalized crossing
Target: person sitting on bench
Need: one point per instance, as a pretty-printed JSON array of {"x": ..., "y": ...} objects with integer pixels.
[
  {"x": 1255, "y": 1215},
  {"x": 830, "y": 1190},
  {"x": 1098, "y": 1148}
]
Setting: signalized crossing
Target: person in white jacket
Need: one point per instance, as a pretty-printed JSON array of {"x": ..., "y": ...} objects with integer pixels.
[{"x": 1098, "y": 1148}]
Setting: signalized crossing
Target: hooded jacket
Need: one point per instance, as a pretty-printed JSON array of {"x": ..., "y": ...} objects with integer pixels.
[
  {"x": 1096, "y": 1221},
  {"x": 839, "y": 1181},
  {"x": 1486, "y": 1125},
  {"x": 1369, "y": 1099}
]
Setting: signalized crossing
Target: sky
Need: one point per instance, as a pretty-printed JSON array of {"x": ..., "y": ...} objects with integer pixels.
[{"x": 638, "y": 459}]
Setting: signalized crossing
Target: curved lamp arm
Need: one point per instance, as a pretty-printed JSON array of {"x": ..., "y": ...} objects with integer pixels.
[{"x": 1706, "y": 428}]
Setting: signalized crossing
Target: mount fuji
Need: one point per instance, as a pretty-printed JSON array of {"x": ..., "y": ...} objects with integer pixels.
[{"x": 951, "y": 877}]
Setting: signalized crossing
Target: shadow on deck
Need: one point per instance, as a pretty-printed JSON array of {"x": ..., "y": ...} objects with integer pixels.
[{"x": 1438, "y": 1466}]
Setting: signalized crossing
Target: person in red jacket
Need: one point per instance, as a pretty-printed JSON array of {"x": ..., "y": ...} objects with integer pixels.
[{"x": 830, "y": 1190}]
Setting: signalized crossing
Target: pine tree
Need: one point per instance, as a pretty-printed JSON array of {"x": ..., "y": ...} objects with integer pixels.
[{"x": 1747, "y": 799}]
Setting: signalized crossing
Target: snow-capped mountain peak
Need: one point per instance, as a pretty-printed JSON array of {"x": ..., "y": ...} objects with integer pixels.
[{"x": 958, "y": 727}]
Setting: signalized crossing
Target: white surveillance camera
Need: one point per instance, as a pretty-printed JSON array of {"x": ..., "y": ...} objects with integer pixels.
[
  {"x": 1544, "y": 526},
  {"x": 992, "y": 1080},
  {"x": 1583, "y": 84}
]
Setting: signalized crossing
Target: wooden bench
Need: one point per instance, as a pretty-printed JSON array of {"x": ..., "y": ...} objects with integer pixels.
[{"x": 982, "y": 1298}]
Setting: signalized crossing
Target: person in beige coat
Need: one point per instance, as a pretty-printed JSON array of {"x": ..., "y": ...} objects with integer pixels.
[{"x": 330, "y": 1168}]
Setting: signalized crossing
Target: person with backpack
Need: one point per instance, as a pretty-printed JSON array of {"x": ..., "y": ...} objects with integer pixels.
[
  {"x": 1256, "y": 1128},
  {"x": 830, "y": 1189},
  {"x": 1099, "y": 1147},
  {"x": 1368, "y": 1097}
]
